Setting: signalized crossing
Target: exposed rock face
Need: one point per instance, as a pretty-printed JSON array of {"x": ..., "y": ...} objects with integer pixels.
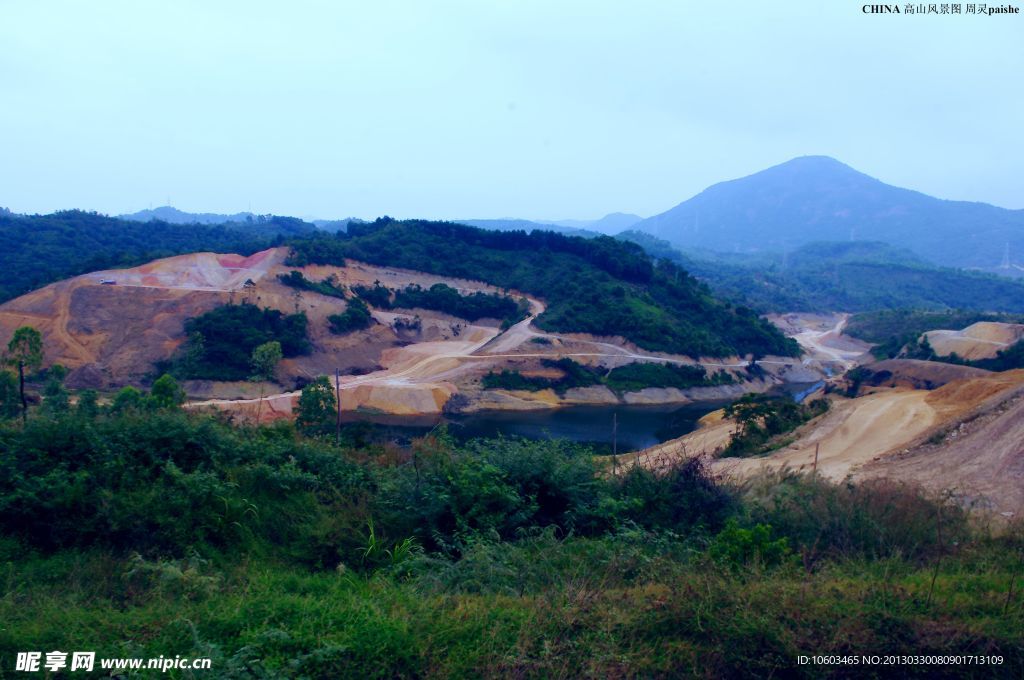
[
  {"x": 411, "y": 400},
  {"x": 503, "y": 400},
  {"x": 672, "y": 395},
  {"x": 598, "y": 394},
  {"x": 472, "y": 401}
]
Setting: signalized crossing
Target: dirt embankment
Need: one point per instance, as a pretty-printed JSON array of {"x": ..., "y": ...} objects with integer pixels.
[
  {"x": 977, "y": 454},
  {"x": 914, "y": 374},
  {"x": 965, "y": 437}
]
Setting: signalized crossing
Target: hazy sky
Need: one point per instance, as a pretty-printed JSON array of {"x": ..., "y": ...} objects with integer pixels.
[{"x": 535, "y": 109}]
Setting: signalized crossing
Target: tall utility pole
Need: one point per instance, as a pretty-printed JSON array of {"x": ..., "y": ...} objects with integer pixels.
[{"x": 337, "y": 394}]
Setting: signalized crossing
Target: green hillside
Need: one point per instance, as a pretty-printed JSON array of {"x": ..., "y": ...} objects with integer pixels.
[
  {"x": 850, "y": 276},
  {"x": 602, "y": 285}
]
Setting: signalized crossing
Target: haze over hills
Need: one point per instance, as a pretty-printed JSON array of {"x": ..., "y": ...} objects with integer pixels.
[
  {"x": 817, "y": 198},
  {"x": 610, "y": 224},
  {"x": 848, "y": 276},
  {"x": 171, "y": 215}
]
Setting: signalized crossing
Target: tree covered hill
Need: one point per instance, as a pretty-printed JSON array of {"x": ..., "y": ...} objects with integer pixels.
[
  {"x": 602, "y": 285},
  {"x": 850, "y": 276},
  {"x": 816, "y": 198},
  {"x": 39, "y": 249},
  {"x": 249, "y": 223}
]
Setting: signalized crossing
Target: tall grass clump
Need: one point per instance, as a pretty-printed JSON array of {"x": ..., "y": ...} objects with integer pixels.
[{"x": 872, "y": 519}]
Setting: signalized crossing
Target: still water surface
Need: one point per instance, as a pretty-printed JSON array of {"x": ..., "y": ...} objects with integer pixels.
[{"x": 625, "y": 428}]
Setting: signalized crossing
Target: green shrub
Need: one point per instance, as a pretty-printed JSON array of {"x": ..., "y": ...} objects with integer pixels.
[
  {"x": 512, "y": 379},
  {"x": 472, "y": 307},
  {"x": 377, "y": 295},
  {"x": 684, "y": 499},
  {"x": 736, "y": 546},
  {"x": 762, "y": 418},
  {"x": 222, "y": 340},
  {"x": 492, "y": 490},
  {"x": 873, "y": 519},
  {"x": 328, "y": 286},
  {"x": 640, "y": 375},
  {"x": 356, "y": 317},
  {"x": 629, "y": 378}
]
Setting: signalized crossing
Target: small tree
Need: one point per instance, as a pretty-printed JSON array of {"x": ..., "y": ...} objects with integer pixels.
[
  {"x": 8, "y": 394},
  {"x": 55, "y": 395},
  {"x": 88, "y": 404},
  {"x": 264, "y": 362},
  {"x": 166, "y": 393},
  {"x": 25, "y": 350},
  {"x": 192, "y": 355},
  {"x": 316, "y": 404},
  {"x": 127, "y": 399}
]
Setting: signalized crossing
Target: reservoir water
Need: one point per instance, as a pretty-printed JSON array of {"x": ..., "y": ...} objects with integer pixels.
[{"x": 626, "y": 428}]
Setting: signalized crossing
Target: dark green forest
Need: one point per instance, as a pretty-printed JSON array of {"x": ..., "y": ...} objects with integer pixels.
[
  {"x": 472, "y": 307},
  {"x": 328, "y": 287},
  {"x": 220, "y": 342},
  {"x": 600, "y": 286},
  {"x": 39, "y": 249}
]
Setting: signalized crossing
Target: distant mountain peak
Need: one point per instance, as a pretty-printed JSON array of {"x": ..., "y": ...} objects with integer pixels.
[{"x": 818, "y": 198}]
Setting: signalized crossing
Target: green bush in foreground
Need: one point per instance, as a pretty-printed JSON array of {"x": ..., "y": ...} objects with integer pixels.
[{"x": 147, "y": 532}]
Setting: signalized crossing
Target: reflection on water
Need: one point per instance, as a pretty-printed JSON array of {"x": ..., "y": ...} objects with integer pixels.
[
  {"x": 637, "y": 427},
  {"x": 797, "y": 391}
]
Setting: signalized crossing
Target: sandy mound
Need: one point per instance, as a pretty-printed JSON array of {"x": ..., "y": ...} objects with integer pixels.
[
  {"x": 966, "y": 436},
  {"x": 916, "y": 374},
  {"x": 978, "y": 341},
  {"x": 977, "y": 454},
  {"x": 849, "y": 435},
  {"x": 963, "y": 395}
]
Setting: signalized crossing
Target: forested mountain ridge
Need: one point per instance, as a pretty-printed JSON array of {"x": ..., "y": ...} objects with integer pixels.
[
  {"x": 39, "y": 249},
  {"x": 817, "y": 198},
  {"x": 850, "y": 276},
  {"x": 601, "y": 286}
]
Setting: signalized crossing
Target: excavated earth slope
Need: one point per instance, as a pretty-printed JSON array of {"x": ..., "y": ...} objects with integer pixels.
[
  {"x": 110, "y": 328},
  {"x": 965, "y": 437}
]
